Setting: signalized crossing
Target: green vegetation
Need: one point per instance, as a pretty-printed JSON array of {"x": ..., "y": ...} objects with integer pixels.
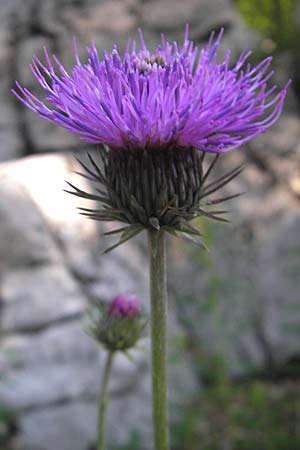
[
  {"x": 134, "y": 442},
  {"x": 245, "y": 416},
  {"x": 278, "y": 22},
  {"x": 274, "y": 19},
  {"x": 8, "y": 427},
  {"x": 257, "y": 413}
]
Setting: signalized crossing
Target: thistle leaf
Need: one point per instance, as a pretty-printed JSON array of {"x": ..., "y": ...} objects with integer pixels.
[
  {"x": 220, "y": 182},
  {"x": 223, "y": 199},
  {"x": 170, "y": 230},
  {"x": 195, "y": 240},
  {"x": 128, "y": 233},
  {"x": 116, "y": 231},
  {"x": 211, "y": 166},
  {"x": 139, "y": 210},
  {"x": 214, "y": 215},
  {"x": 186, "y": 227}
]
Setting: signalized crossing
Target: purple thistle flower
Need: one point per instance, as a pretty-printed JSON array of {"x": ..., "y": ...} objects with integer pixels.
[
  {"x": 124, "y": 306},
  {"x": 177, "y": 101},
  {"x": 174, "y": 97}
]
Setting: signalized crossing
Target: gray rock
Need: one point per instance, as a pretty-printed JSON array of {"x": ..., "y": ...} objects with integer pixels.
[
  {"x": 279, "y": 148},
  {"x": 11, "y": 145},
  {"x": 46, "y": 136},
  {"x": 117, "y": 18},
  {"x": 175, "y": 14},
  {"x": 280, "y": 259},
  {"x": 59, "y": 364},
  {"x": 242, "y": 303},
  {"x": 69, "y": 426},
  {"x": 33, "y": 298},
  {"x": 50, "y": 368},
  {"x": 24, "y": 237}
]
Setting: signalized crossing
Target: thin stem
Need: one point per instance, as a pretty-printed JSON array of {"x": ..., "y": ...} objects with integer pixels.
[
  {"x": 158, "y": 293},
  {"x": 103, "y": 401}
]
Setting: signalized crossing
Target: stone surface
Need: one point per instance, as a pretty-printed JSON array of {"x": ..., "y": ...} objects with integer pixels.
[
  {"x": 175, "y": 14},
  {"x": 61, "y": 427},
  {"x": 24, "y": 238},
  {"x": 52, "y": 270},
  {"x": 50, "y": 292},
  {"x": 244, "y": 299}
]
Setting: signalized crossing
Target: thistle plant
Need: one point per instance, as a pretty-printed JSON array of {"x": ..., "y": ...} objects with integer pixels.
[
  {"x": 117, "y": 327},
  {"x": 155, "y": 116}
]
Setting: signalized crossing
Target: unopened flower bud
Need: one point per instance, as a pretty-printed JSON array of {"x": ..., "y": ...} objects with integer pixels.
[{"x": 119, "y": 325}]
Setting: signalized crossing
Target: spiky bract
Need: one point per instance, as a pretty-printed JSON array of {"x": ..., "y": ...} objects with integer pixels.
[{"x": 163, "y": 189}]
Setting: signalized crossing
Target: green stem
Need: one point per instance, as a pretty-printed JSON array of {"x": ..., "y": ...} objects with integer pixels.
[
  {"x": 103, "y": 401},
  {"x": 158, "y": 293}
]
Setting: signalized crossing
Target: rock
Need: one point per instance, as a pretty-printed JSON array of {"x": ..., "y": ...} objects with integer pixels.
[
  {"x": 176, "y": 14},
  {"x": 52, "y": 270},
  {"x": 23, "y": 234},
  {"x": 113, "y": 18},
  {"x": 239, "y": 37},
  {"x": 46, "y": 136},
  {"x": 242, "y": 303},
  {"x": 11, "y": 143},
  {"x": 32, "y": 298},
  {"x": 61, "y": 427},
  {"x": 11, "y": 146},
  {"x": 57, "y": 364},
  {"x": 279, "y": 148},
  {"x": 280, "y": 257}
]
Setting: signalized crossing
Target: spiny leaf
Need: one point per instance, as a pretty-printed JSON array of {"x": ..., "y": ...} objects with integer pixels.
[
  {"x": 84, "y": 175},
  {"x": 214, "y": 216},
  {"x": 101, "y": 211},
  {"x": 223, "y": 199},
  {"x": 128, "y": 233},
  {"x": 129, "y": 357},
  {"x": 195, "y": 240},
  {"x": 106, "y": 215},
  {"x": 211, "y": 166},
  {"x": 97, "y": 168},
  {"x": 186, "y": 227},
  {"x": 169, "y": 204},
  {"x": 103, "y": 154},
  {"x": 83, "y": 194},
  {"x": 170, "y": 230},
  {"x": 220, "y": 182},
  {"x": 94, "y": 176},
  {"x": 139, "y": 209},
  {"x": 116, "y": 231}
]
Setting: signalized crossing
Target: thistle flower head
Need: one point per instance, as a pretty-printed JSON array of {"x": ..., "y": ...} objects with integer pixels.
[
  {"x": 156, "y": 115},
  {"x": 175, "y": 97},
  {"x": 118, "y": 325}
]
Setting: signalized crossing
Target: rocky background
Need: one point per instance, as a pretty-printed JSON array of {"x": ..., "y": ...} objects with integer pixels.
[{"x": 240, "y": 301}]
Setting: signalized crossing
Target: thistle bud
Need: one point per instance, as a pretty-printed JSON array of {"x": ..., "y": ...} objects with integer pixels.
[{"x": 118, "y": 325}]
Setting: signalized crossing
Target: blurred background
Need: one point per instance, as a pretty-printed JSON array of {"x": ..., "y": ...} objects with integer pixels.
[{"x": 234, "y": 326}]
